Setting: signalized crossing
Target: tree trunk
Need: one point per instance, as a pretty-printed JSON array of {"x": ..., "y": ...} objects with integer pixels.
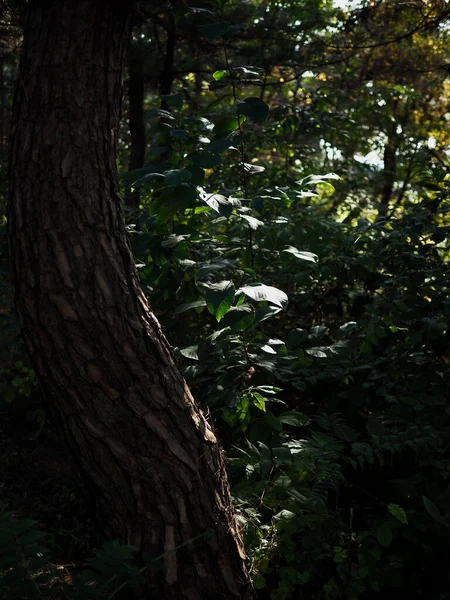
[
  {"x": 107, "y": 371},
  {"x": 167, "y": 72}
]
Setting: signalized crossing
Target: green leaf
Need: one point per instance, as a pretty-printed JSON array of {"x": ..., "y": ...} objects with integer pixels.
[
  {"x": 190, "y": 352},
  {"x": 219, "y": 298},
  {"x": 268, "y": 349},
  {"x": 258, "y": 400},
  {"x": 268, "y": 389},
  {"x": 384, "y": 535},
  {"x": 398, "y": 512},
  {"x": 239, "y": 317},
  {"x": 242, "y": 408},
  {"x": 206, "y": 270},
  {"x": 252, "y": 169},
  {"x": 258, "y": 581},
  {"x": 302, "y": 255},
  {"x": 248, "y": 71},
  {"x": 175, "y": 100},
  {"x": 346, "y": 328},
  {"x": 260, "y": 292},
  {"x": 265, "y": 312},
  {"x": 253, "y": 223},
  {"x": 316, "y": 352},
  {"x": 216, "y": 201},
  {"x": 254, "y": 108},
  {"x": 218, "y": 75},
  {"x": 221, "y": 145},
  {"x": 184, "y": 307},
  {"x": 149, "y": 177},
  {"x": 313, "y": 179},
  {"x": 197, "y": 175},
  {"x": 204, "y": 159},
  {"x": 159, "y": 112},
  {"x": 225, "y": 126},
  {"x": 196, "y": 9},
  {"x": 173, "y": 240},
  {"x": 431, "y": 508},
  {"x": 176, "y": 177}
]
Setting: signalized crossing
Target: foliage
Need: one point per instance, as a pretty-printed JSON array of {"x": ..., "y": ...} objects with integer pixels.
[{"x": 309, "y": 310}]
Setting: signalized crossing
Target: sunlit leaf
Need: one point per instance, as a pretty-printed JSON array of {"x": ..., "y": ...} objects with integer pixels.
[
  {"x": 254, "y": 223},
  {"x": 218, "y": 75},
  {"x": 301, "y": 254},
  {"x": 260, "y": 292},
  {"x": 398, "y": 512},
  {"x": 190, "y": 352}
]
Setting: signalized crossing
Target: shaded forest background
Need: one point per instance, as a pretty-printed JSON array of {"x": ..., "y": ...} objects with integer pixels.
[{"x": 285, "y": 174}]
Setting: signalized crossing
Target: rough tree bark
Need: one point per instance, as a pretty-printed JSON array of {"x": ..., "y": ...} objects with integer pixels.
[{"x": 107, "y": 371}]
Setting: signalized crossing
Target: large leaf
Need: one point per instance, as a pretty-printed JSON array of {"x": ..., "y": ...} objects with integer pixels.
[
  {"x": 175, "y": 100},
  {"x": 226, "y": 125},
  {"x": 254, "y": 108},
  {"x": 204, "y": 159},
  {"x": 184, "y": 307},
  {"x": 215, "y": 201},
  {"x": 219, "y": 298},
  {"x": 221, "y": 145},
  {"x": 176, "y": 177},
  {"x": 265, "y": 312},
  {"x": 301, "y": 254},
  {"x": 254, "y": 223},
  {"x": 431, "y": 508},
  {"x": 398, "y": 512},
  {"x": 159, "y": 112},
  {"x": 252, "y": 169},
  {"x": 261, "y": 292},
  {"x": 218, "y": 75},
  {"x": 190, "y": 352},
  {"x": 384, "y": 535},
  {"x": 239, "y": 317},
  {"x": 206, "y": 270},
  {"x": 173, "y": 240}
]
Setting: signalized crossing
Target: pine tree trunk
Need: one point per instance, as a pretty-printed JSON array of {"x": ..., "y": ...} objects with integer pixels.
[{"x": 107, "y": 371}]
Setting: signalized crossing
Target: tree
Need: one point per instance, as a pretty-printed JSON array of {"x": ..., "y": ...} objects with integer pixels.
[{"x": 106, "y": 369}]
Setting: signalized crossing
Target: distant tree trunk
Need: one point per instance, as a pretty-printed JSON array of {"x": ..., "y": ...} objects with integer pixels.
[
  {"x": 169, "y": 57},
  {"x": 107, "y": 371},
  {"x": 136, "y": 116}
]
